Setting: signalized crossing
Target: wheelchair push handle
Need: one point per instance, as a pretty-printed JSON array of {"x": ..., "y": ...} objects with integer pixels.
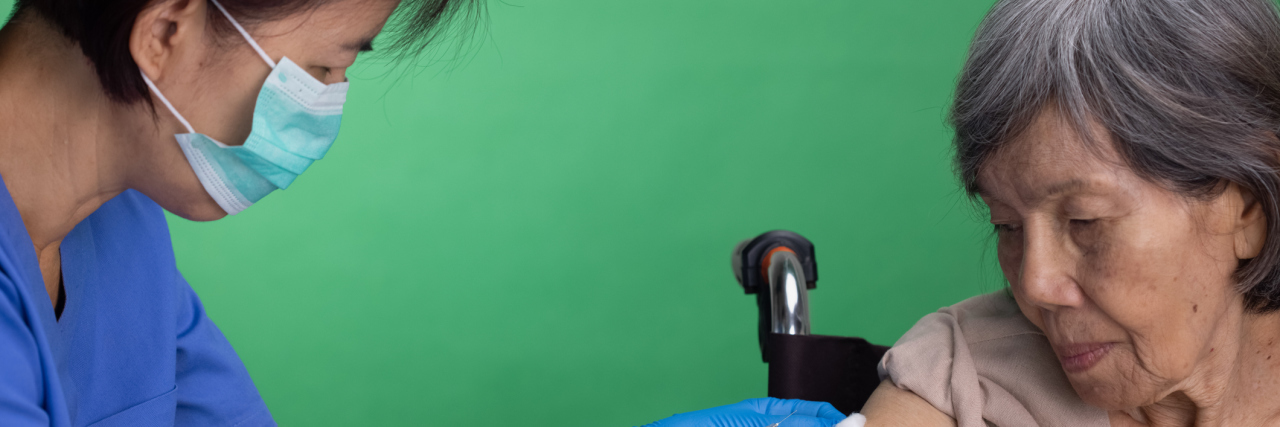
[
  {"x": 779, "y": 267},
  {"x": 788, "y": 295}
]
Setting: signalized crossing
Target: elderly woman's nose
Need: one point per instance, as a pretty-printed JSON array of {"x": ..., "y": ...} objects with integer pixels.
[{"x": 1045, "y": 276}]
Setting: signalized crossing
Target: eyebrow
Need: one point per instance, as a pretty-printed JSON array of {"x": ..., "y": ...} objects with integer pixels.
[
  {"x": 1063, "y": 187},
  {"x": 1074, "y": 184}
]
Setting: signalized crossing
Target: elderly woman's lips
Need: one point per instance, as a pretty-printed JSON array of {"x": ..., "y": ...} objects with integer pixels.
[{"x": 1080, "y": 357}]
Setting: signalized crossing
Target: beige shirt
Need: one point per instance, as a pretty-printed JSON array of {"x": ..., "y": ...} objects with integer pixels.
[{"x": 983, "y": 363}]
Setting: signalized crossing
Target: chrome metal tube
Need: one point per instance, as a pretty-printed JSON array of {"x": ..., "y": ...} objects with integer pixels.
[{"x": 788, "y": 295}]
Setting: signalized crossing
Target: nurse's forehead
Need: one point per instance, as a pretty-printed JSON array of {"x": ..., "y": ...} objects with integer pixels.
[{"x": 348, "y": 24}]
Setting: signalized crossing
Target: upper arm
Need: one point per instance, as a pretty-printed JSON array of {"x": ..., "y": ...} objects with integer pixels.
[
  {"x": 213, "y": 386},
  {"x": 891, "y": 406},
  {"x": 23, "y": 390}
]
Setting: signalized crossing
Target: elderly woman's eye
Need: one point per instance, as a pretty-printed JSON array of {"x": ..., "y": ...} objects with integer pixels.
[
  {"x": 1007, "y": 228},
  {"x": 1083, "y": 222}
]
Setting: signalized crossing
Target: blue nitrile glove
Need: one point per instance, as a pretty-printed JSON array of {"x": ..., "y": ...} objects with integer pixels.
[{"x": 762, "y": 412}]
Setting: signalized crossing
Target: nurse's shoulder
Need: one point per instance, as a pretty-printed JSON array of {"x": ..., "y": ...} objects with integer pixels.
[
  {"x": 28, "y": 388},
  {"x": 206, "y": 382},
  {"x": 24, "y": 384}
]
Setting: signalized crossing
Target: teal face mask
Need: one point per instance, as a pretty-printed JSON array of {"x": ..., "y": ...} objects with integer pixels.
[{"x": 295, "y": 120}]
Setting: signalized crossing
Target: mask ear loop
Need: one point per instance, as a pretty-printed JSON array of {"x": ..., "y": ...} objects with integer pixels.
[
  {"x": 244, "y": 33},
  {"x": 166, "y": 102}
]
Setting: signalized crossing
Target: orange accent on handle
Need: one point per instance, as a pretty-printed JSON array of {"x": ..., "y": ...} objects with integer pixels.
[{"x": 768, "y": 258}]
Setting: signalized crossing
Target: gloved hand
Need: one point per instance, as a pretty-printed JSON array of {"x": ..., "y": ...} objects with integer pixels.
[{"x": 762, "y": 412}]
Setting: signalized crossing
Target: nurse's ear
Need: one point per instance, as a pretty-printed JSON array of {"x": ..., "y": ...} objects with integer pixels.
[{"x": 167, "y": 33}]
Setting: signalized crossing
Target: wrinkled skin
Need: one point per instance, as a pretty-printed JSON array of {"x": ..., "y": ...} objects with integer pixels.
[{"x": 1133, "y": 283}]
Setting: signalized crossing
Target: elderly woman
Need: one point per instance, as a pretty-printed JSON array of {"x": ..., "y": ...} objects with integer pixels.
[
  {"x": 1127, "y": 152},
  {"x": 113, "y": 110}
]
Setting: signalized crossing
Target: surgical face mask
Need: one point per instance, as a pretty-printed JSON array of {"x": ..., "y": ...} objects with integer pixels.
[{"x": 295, "y": 120}]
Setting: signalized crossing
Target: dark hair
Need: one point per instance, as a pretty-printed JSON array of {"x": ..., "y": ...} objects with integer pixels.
[
  {"x": 1189, "y": 91},
  {"x": 102, "y": 29}
]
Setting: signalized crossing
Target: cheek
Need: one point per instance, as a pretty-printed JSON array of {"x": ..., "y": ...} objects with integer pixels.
[
  {"x": 1160, "y": 281},
  {"x": 1010, "y": 245},
  {"x": 234, "y": 99},
  {"x": 224, "y": 83},
  {"x": 1009, "y": 254}
]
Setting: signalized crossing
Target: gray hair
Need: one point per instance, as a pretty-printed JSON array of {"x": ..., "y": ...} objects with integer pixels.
[{"x": 1189, "y": 91}]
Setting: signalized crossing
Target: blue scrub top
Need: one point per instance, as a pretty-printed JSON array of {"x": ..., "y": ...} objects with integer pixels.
[{"x": 133, "y": 346}]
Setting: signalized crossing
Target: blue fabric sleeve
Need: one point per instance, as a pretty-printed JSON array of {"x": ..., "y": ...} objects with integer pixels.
[
  {"x": 213, "y": 387},
  {"x": 22, "y": 382}
]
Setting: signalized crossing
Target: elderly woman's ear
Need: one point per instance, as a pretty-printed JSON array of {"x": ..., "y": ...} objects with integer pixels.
[{"x": 1250, "y": 228}]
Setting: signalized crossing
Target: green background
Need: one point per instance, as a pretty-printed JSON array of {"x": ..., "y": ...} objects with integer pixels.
[{"x": 539, "y": 233}]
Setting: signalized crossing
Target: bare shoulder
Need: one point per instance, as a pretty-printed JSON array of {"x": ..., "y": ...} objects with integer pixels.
[{"x": 891, "y": 406}]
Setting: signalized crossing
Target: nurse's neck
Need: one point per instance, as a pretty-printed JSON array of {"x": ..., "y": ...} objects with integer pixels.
[{"x": 65, "y": 148}]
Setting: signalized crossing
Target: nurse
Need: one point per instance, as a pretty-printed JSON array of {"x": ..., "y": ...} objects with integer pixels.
[{"x": 112, "y": 111}]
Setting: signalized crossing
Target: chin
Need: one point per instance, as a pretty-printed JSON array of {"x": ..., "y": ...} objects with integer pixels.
[
  {"x": 1103, "y": 396},
  {"x": 201, "y": 212},
  {"x": 190, "y": 202},
  {"x": 1110, "y": 390}
]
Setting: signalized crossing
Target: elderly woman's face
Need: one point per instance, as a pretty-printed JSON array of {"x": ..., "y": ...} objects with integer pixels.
[{"x": 1131, "y": 283}]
